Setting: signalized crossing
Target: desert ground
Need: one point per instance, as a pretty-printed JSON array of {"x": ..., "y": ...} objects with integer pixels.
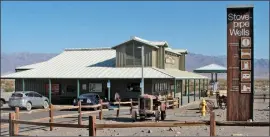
[{"x": 188, "y": 112}]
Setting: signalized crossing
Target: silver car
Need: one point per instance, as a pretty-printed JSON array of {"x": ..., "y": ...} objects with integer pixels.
[{"x": 28, "y": 99}]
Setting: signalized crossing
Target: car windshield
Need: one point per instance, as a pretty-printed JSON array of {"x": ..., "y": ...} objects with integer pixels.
[
  {"x": 17, "y": 95},
  {"x": 86, "y": 96},
  {"x": 91, "y": 97}
]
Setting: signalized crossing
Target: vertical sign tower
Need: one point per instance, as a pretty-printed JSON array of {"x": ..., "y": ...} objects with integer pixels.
[{"x": 240, "y": 45}]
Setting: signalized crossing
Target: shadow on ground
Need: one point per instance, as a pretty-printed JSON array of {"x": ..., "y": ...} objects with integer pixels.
[
  {"x": 200, "y": 109},
  {"x": 32, "y": 128}
]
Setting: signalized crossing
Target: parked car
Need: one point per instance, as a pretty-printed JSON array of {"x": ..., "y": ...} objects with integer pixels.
[
  {"x": 28, "y": 100},
  {"x": 87, "y": 99}
]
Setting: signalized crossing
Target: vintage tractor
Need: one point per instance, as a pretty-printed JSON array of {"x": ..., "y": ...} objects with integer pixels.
[{"x": 149, "y": 106}]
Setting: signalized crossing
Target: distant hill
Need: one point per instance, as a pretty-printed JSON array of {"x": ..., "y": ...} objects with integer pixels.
[{"x": 12, "y": 60}]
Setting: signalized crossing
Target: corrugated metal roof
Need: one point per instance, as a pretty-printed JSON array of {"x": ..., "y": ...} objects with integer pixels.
[
  {"x": 172, "y": 51},
  {"x": 94, "y": 63},
  {"x": 212, "y": 68},
  {"x": 88, "y": 73},
  {"x": 183, "y": 51},
  {"x": 179, "y": 74},
  {"x": 154, "y": 44},
  {"x": 80, "y": 56},
  {"x": 31, "y": 66}
]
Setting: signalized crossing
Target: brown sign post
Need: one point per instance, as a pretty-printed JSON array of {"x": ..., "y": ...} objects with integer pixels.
[{"x": 240, "y": 73}]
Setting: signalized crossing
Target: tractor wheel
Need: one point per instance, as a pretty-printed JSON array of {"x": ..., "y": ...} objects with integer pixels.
[{"x": 163, "y": 115}]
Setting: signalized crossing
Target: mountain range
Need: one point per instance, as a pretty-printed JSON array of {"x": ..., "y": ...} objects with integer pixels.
[{"x": 9, "y": 61}]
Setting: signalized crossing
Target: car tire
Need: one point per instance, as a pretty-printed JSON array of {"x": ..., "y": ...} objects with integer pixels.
[
  {"x": 28, "y": 106},
  {"x": 45, "y": 104},
  {"x": 2, "y": 103}
]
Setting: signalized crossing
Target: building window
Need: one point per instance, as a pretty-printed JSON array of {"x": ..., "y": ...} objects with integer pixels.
[
  {"x": 133, "y": 55},
  {"x": 129, "y": 55},
  {"x": 134, "y": 87},
  {"x": 95, "y": 87},
  {"x": 137, "y": 56},
  {"x": 55, "y": 89}
]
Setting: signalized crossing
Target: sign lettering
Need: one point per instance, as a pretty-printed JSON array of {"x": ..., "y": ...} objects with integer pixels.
[{"x": 240, "y": 24}]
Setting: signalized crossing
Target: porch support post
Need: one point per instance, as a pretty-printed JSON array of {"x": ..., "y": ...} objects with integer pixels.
[
  {"x": 207, "y": 84},
  {"x": 181, "y": 90},
  {"x": 50, "y": 91},
  {"x": 78, "y": 88},
  {"x": 200, "y": 88},
  {"x": 174, "y": 88},
  {"x": 23, "y": 86},
  {"x": 194, "y": 86},
  {"x": 188, "y": 89},
  {"x": 109, "y": 90}
]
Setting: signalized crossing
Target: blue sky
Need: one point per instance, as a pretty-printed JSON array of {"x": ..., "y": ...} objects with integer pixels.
[{"x": 50, "y": 27}]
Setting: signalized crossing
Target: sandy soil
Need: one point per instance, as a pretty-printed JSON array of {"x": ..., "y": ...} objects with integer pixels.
[{"x": 188, "y": 113}]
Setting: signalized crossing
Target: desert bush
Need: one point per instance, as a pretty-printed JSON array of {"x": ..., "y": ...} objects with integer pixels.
[{"x": 8, "y": 89}]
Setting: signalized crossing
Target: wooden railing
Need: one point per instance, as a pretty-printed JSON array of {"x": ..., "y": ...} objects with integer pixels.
[
  {"x": 93, "y": 126},
  {"x": 53, "y": 108}
]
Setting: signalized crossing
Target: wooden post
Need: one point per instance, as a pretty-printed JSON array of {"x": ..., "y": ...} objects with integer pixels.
[
  {"x": 100, "y": 112},
  {"x": 92, "y": 125},
  {"x": 17, "y": 116},
  {"x": 131, "y": 105},
  {"x": 118, "y": 110},
  {"x": 80, "y": 113},
  {"x": 11, "y": 124},
  {"x": 51, "y": 116},
  {"x": 212, "y": 124}
]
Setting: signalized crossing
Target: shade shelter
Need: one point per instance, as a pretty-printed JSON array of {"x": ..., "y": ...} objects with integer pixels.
[{"x": 213, "y": 69}]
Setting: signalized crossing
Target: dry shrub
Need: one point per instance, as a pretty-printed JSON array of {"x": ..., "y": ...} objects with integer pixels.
[{"x": 7, "y": 85}]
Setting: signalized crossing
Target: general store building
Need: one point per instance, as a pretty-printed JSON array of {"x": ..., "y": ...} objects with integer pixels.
[{"x": 78, "y": 71}]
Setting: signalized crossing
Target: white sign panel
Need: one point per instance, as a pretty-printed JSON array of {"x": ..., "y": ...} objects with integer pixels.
[{"x": 95, "y": 87}]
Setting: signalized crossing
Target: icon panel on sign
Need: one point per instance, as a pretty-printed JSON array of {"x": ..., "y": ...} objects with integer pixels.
[
  {"x": 245, "y": 87},
  {"x": 245, "y": 53},
  {"x": 245, "y": 64},
  {"x": 246, "y": 76},
  {"x": 245, "y": 42}
]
